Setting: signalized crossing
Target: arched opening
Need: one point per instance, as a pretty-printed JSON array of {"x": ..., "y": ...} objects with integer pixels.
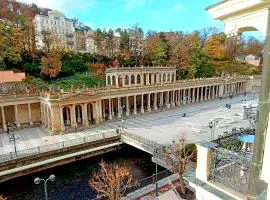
[
  {"x": 168, "y": 77},
  {"x": 120, "y": 82},
  {"x": 138, "y": 79},
  {"x": 164, "y": 78},
  {"x": 144, "y": 79},
  {"x": 113, "y": 80},
  {"x": 78, "y": 111},
  {"x": 150, "y": 79},
  {"x": 66, "y": 116},
  {"x": 126, "y": 80},
  {"x": 108, "y": 80},
  {"x": 132, "y": 79}
]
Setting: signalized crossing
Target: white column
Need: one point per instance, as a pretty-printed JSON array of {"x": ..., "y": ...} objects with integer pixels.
[
  {"x": 189, "y": 95},
  {"x": 127, "y": 106},
  {"x": 167, "y": 100},
  {"x": 30, "y": 114},
  {"x": 197, "y": 94},
  {"x": 3, "y": 118},
  {"x": 142, "y": 109},
  {"x": 84, "y": 115},
  {"x": 155, "y": 102},
  {"x": 119, "y": 111},
  {"x": 73, "y": 116},
  {"x": 110, "y": 109},
  {"x": 173, "y": 99},
  {"x": 62, "y": 119},
  {"x": 149, "y": 102},
  {"x": 161, "y": 99},
  {"x": 116, "y": 81},
  {"x": 201, "y": 94},
  {"x": 135, "y": 106},
  {"x": 17, "y": 116},
  {"x": 193, "y": 95}
]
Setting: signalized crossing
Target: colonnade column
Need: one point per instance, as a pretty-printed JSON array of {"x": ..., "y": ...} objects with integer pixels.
[
  {"x": 73, "y": 116},
  {"x": 149, "y": 102},
  {"x": 184, "y": 96},
  {"x": 127, "y": 106},
  {"x": 135, "y": 106},
  {"x": 110, "y": 109},
  {"x": 42, "y": 113},
  {"x": 216, "y": 91},
  {"x": 193, "y": 95},
  {"x": 17, "y": 115},
  {"x": 3, "y": 118},
  {"x": 62, "y": 119},
  {"x": 161, "y": 99},
  {"x": 178, "y": 98},
  {"x": 142, "y": 109},
  {"x": 84, "y": 115},
  {"x": 189, "y": 95},
  {"x": 173, "y": 98},
  {"x": 155, "y": 102},
  {"x": 119, "y": 108},
  {"x": 197, "y": 94},
  {"x": 167, "y": 99},
  {"x": 30, "y": 114}
]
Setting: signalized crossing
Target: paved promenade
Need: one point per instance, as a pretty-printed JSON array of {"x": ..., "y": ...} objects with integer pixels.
[{"x": 161, "y": 127}]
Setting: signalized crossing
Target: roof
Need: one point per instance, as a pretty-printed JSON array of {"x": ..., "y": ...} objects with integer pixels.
[
  {"x": 221, "y": 2},
  {"x": 10, "y": 76}
]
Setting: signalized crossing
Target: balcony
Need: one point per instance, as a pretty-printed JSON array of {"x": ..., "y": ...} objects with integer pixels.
[{"x": 69, "y": 35}]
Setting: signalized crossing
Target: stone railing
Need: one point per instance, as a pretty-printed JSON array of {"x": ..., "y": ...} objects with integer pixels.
[{"x": 56, "y": 146}]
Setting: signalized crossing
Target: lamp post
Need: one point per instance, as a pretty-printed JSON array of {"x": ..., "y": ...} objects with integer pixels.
[
  {"x": 212, "y": 126},
  {"x": 156, "y": 176},
  {"x": 12, "y": 138},
  {"x": 38, "y": 180}
]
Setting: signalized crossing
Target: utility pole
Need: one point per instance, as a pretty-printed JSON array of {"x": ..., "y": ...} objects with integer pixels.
[{"x": 263, "y": 118}]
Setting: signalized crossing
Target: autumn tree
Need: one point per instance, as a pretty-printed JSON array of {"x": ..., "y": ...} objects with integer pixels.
[
  {"x": 11, "y": 43},
  {"x": 253, "y": 46},
  {"x": 233, "y": 48},
  {"x": 136, "y": 41},
  {"x": 215, "y": 46},
  {"x": 125, "y": 43},
  {"x": 112, "y": 181},
  {"x": 51, "y": 64},
  {"x": 99, "y": 41},
  {"x": 109, "y": 43},
  {"x": 178, "y": 156}
]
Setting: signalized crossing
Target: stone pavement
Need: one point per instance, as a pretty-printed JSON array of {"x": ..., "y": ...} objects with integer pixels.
[{"x": 161, "y": 127}]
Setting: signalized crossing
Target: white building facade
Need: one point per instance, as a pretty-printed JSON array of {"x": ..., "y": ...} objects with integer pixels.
[{"x": 58, "y": 25}]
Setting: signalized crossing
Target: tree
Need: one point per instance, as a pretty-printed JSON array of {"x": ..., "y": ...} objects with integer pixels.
[
  {"x": 215, "y": 46},
  {"x": 109, "y": 42},
  {"x": 233, "y": 48},
  {"x": 112, "y": 181},
  {"x": 99, "y": 41},
  {"x": 124, "y": 42},
  {"x": 177, "y": 156},
  {"x": 253, "y": 46},
  {"x": 200, "y": 65},
  {"x": 136, "y": 39},
  {"x": 51, "y": 64},
  {"x": 11, "y": 43}
]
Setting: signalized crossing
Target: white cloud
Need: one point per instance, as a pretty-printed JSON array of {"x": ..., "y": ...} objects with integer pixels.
[
  {"x": 66, "y": 6},
  {"x": 133, "y": 4}
]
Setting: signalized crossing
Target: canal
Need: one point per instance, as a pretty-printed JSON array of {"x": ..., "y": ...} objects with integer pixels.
[{"x": 72, "y": 179}]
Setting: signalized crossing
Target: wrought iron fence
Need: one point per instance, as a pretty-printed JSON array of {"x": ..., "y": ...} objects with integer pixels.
[
  {"x": 56, "y": 146},
  {"x": 230, "y": 168}
]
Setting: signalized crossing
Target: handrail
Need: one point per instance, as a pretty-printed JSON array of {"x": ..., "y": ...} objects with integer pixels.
[{"x": 56, "y": 146}]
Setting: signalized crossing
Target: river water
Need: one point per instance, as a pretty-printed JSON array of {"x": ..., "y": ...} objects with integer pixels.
[{"x": 72, "y": 179}]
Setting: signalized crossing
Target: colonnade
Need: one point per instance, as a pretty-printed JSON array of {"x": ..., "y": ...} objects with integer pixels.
[
  {"x": 86, "y": 113},
  {"x": 11, "y": 114},
  {"x": 139, "y": 79}
]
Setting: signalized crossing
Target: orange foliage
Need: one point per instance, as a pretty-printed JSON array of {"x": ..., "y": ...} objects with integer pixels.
[
  {"x": 98, "y": 68},
  {"x": 51, "y": 64},
  {"x": 116, "y": 63},
  {"x": 215, "y": 46}
]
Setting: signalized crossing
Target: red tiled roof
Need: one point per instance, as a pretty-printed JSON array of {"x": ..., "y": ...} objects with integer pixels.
[{"x": 10, "y": 76}]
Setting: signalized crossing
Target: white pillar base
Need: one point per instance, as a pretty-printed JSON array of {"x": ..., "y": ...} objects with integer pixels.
[
  {"x": 142, "y": 110},
  {"x": 31, "y": 123},
  {"x": 155, "y": 108},
  {"x": 168, "y": 105},
  {"x": 177, "y": 103},
  {"x": 149, "y": 109}
]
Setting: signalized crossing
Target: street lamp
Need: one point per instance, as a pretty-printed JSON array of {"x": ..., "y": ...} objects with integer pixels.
[
  {"x": 38, "y": 180},
  {"x": 212, "y": 126},
  {"x": 12, "y": 137}
]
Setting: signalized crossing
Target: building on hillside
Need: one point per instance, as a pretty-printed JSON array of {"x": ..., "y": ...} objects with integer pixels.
[
  {"x": 84, "y": 40},
  {"x": 58, "y": 25},
  {"x": 253, "y": 60},
  {"x": 136, "y": 40}
]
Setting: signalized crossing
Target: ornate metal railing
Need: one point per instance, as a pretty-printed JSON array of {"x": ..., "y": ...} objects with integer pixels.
[
  {"x": 56, "y": 146},
  {"x": 230, "y": 168}
]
